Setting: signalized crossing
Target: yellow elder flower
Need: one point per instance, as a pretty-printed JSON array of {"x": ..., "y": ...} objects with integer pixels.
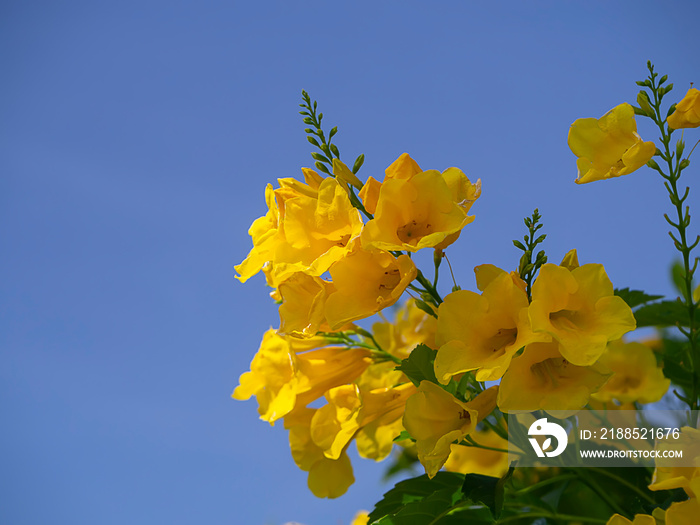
[
  {"x": 349, "y": 410},
  {"x": 639, "y": 519},
  {"x": 635, "y": 374},
  {"x": 362, "y": 284},
  {"x": 366, "y": 282},
  {"x": 361, "y": 518},
  {"x": 483, "y": 332},
  {"x": 666, "y": 478},
  {"x": 687, "y": 113},
  {"x": 370, "y": 194},
  {"x": 578, "y": 309},
  {"x": 282, "y": 379},
  {"x": 411, "y": 327},
  {"x": 683, "y": 513},
  {"x": 302, "y": 312},
  {"x": 608, "y": 147},
  {"x": 473, "y": 460},
  {"x": 542, "y": 378},
  {"x": 307, "y": 229},
  {"x": 435, "y": 419},
  {"x": 417, "y": 210},
  {"x": 328, "y": 478}
]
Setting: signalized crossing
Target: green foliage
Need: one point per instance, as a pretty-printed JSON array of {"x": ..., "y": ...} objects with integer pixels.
[
  {"x": 441, "y": 500},
  {"x": 663, "y": 313},
  {"x": 527, "y": 267},
  {"x": 316, "y": 137},
  {"x": 419, "y": 366},
  {"x": 635, "y": 298}
]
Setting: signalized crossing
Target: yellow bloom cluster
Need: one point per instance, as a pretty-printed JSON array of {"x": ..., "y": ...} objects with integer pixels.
[
  {"x": 547, "y": 353},
  {"x": 328, "y": 269},
  {"x": 554, "y": 345}
]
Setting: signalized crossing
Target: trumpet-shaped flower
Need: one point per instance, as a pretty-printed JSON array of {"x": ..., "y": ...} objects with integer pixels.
[
  {"x": 683, "y": 512},
  {"x": 608, "y": 147},
  {"x": 687, "y": 113},
  {"x": 542, "y": 378},
  {"x": 436, "y": 419},
  {"x": 302, "y": 312},
  {"x": 282, "y": 379},
  {"x": 328, "y": 478},
  {"x": 635, "y": 376},
  {"x": 578, "y": 309},
  {"x": 419, "y": 209},
  {"x": 349, "y": 410},
  {"x": 365, "y": 283},
  {"x": 308, "y": 227},
  {"x": 483, "y": 332},
  {"x": 672, "y": 477},
  {"x": 473, "y": 460},
  {"x": 411, "y": 327}
]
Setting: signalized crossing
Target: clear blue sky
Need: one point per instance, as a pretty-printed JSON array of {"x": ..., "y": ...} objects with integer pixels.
[{"x": 136, "y": 139}]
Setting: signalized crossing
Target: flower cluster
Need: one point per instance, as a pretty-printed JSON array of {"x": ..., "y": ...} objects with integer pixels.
[
  {"x": 438, "y": 375},
  {"x": 328, "y": 269}
]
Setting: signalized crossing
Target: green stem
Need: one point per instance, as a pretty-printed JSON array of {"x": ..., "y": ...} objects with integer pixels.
[
  {"x": 674, "y": 173},
  {"x": 428, "y": 287}
]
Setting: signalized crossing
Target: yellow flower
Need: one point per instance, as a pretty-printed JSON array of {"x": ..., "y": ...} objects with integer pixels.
[
  {"x": 411, "y": 327},
  {"x": 361, "y": 518},
  {"x": 344, "y": 175},
  {"x": 541, "y": 378},
  {"x": 473, "y": 460},
  {"x": 328, "y": 478},
  {"x": 435, "y": 419},
  {"x": 639, "y": 519},
  {"x": 349, "y": 410},
  {"x": 687, "y": 113},
  {"x": 282, "y": 379},
  {"x": 683, "y": 512},
  {"x": 370, "y": 194},
  {"x": 635, "y": 374},
  {"x": 666, "y": 478},
  {"x": 302, "y": 312},
  {"x": 308, "y": 227},
  {"x": 417, "y": 210},
  {"x": 577, "y": 308},
  {"x": 366, "y": 282},
  {"x": 483, "y": 332},
  {"x": 608, "y": 147}
]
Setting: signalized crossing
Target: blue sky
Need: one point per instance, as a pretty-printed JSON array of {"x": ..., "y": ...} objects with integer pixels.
[{"x": 136, "y": 139}]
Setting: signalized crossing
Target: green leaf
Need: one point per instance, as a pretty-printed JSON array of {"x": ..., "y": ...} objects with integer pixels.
[
  {"x": 403, "y": 435},
  {"x": 481, "y": 489},
  {"x": 447, "y": 484},
  {"x": 664, "y": 313},
  {"x": 675, "y": 355},
  {"x": 419, "y": 365},
  {"x": 635, "y": 297},
  {"x": 678, "y": 276}
]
